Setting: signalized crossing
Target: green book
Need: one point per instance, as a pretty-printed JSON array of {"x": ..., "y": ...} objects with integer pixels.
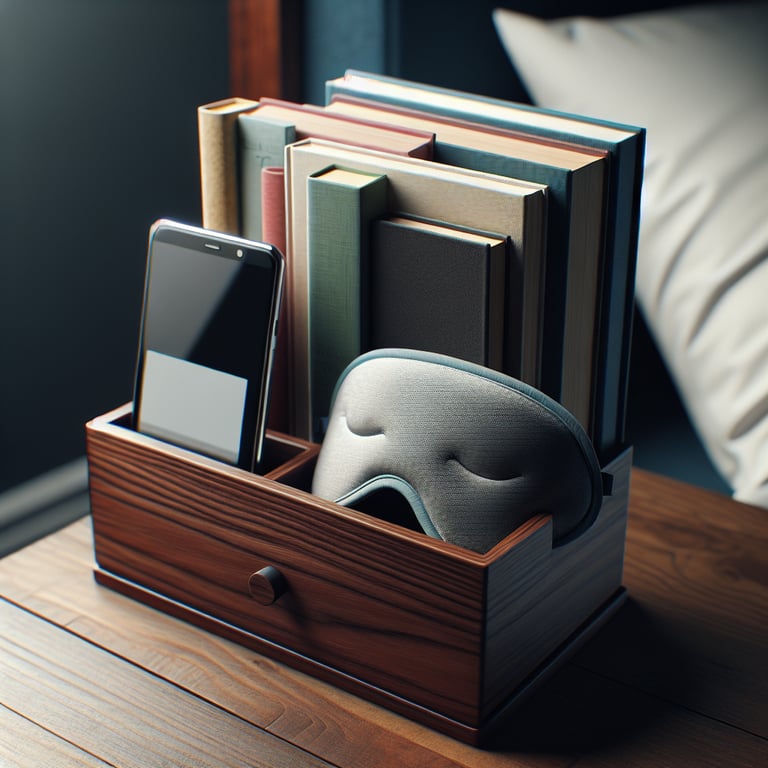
[
  {"x": 341, "y": 205},
  {"x": 262, "y": 145}
]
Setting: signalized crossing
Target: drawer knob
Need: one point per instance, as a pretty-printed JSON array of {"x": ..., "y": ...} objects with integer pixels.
[{"x": 267, "y": 585}]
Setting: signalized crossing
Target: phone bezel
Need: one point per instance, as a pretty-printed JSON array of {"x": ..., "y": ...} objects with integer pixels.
[{"x": 221, "y": 245}]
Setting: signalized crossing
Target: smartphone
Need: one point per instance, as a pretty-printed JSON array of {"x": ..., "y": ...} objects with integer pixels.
[{"x": 208, "y": 333}]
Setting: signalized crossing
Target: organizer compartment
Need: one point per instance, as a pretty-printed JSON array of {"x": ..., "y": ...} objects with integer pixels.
[{"x": 449, "y": 637}]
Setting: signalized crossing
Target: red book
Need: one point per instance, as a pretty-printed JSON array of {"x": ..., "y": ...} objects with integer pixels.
[
  {"x": 273, "y": 228},
  {"x": 318, "y": 123}
]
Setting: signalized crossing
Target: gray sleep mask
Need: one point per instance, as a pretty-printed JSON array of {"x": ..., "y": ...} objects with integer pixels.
[{"x": 473, "y": 453}]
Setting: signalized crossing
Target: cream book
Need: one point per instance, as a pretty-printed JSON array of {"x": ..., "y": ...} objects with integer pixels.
[{"x": 421, "y": 188}]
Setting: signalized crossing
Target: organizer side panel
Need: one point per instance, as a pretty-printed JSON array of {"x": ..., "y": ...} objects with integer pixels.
[
  {"x": 539, "y": 596},
  {"x": 385, "y": 608}
]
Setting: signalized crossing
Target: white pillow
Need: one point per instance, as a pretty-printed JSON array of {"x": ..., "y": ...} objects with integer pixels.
[{"x": 697, "y": 79}]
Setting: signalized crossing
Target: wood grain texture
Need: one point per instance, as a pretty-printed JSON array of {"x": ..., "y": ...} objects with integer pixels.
[
  {"x": 606, "y": 724},
  {"x": 410, "y": 636},
  {"x": 288, "y": 459},
  {"x": 696, "y": 628},
  {"x": 539, "y": 595},
  {"x": 264, "y": 48},
  {"x": 321, "y": 718},
  {"x": 22, "y": 743},
  {"x": 610, "y": 706},
  {"x": 343, "y": 597},
  {"x": 89, "y": 697}
]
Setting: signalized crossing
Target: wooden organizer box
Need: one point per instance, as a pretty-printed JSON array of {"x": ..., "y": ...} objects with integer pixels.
[{"x": 448, "y": 637}]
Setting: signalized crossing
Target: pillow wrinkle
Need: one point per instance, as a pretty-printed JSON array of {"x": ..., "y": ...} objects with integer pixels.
[
  {"x": 657, "y": 280},
  {"x": 720, "y": 285},
  {"x": 696, "y": 78},
  {"x": 757, "y": 412}
]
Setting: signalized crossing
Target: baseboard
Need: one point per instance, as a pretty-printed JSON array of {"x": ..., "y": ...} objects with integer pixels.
[{"x": 43, "y": 505}]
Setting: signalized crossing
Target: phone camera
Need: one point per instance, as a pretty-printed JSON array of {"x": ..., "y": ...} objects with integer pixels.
[{"x": 239, "y": 253}]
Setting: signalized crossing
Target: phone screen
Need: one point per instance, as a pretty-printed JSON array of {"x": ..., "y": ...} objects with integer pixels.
[{"x": 210, "y": 310}]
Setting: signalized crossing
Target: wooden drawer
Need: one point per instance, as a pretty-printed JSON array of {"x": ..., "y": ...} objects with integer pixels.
[{"x": 449, "y": 637}]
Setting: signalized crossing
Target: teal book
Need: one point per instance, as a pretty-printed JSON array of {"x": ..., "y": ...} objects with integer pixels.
[
  {"x": 575, "y": 178},
  {"x": 625, "y": 146},
  {"x": 439, "y": 288},
  {"x": 262, "y": 145},
  {"x": 341, "y": 206}
]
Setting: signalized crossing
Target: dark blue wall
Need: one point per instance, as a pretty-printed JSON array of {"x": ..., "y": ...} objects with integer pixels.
[
  {"x": 98, "y": 137},
  {"x": 453, "y": 43},
  {"x": 442, "y": 42}
]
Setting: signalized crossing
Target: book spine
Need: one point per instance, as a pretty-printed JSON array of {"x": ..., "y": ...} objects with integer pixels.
[
  {"x": 496, "y": 300},
  {"x": 273, "y": 206},
  {"x": 618, "y": 298},
  {"x": 558, "y": 249},
  {"x": 339, "y": 217},
  {"x": 219, "y": 163},
  {"x": 273, "y": 231},
  {"x": 262, "y": 145}
]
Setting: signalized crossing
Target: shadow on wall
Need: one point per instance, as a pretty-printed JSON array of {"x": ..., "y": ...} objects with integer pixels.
[
  {"x": 658, "y": 427},
  {"x": 99, "y": 139}
]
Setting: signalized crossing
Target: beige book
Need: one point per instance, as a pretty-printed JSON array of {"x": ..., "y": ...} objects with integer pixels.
[{"x": 219, "y": 163}]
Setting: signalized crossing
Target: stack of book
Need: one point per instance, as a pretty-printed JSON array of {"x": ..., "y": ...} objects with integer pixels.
[{"x": 424, "y": 217}]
